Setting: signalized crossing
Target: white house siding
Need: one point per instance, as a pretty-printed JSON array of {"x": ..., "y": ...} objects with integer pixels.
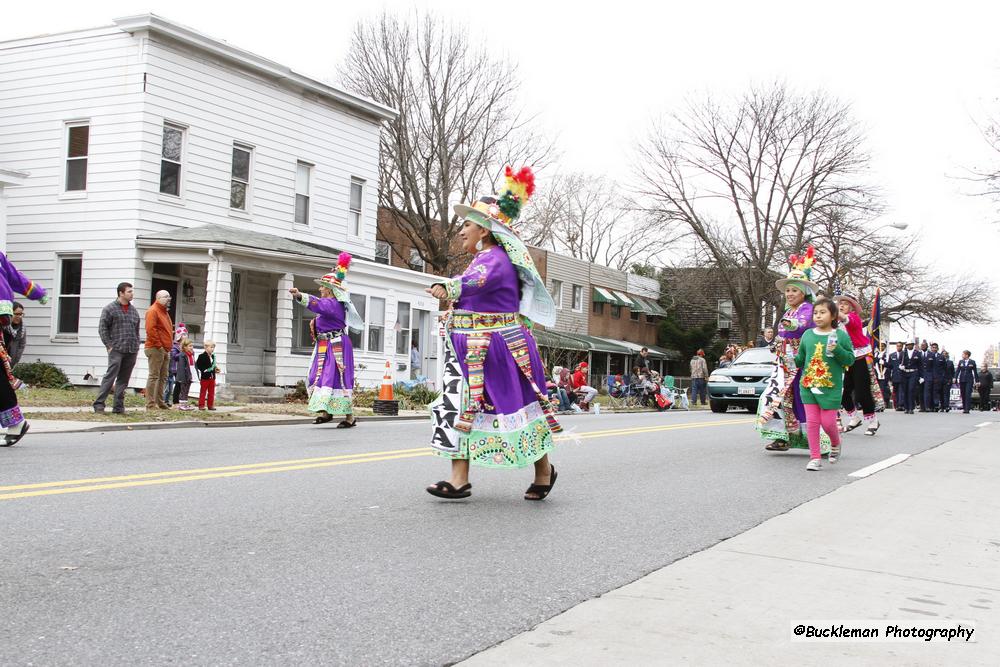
[
  {"x": 44, "y": 82},
  {"x": 603, "y": 276},
  {"x": 642, "y": 286},
  {"x": 221, "y": 104},
  {"x": 571, "y": 272}
]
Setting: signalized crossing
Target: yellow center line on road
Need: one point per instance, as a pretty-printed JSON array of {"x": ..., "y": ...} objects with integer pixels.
[{"x": 170, "y": 477}]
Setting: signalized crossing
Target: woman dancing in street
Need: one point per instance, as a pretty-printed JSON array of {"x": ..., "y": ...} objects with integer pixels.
[
  {"x": 494, "y": 411},
  {"x": 782, "y": 392},
  {"x": 331, "y": 376}
]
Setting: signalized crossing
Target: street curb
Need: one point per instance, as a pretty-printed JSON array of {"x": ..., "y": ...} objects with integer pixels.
[{"x": 149, "y": 426}]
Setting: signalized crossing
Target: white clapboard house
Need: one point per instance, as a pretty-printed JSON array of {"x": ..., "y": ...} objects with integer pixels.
[{"x": 147, "y": 152}]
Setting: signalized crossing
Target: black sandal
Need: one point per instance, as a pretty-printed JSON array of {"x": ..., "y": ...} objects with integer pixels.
[
  {"x": 323, "y": 420},
  {"x": 777, "y": 446},
  {"x": 444, "y": 489},
  {"x": 348, "y": 424},
  {"x": 9, "y": 440},
  {"x": 541, "y": 490}
]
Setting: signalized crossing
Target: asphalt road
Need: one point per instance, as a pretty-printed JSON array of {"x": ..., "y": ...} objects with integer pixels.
[{"x": 307, "y": 545}]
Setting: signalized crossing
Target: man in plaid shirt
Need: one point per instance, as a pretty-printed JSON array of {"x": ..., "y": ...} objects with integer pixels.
[{"x": 119, "y": 330}]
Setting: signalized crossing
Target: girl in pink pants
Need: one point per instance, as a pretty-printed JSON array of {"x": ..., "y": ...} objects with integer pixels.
[{"x": 824, "y": 353}]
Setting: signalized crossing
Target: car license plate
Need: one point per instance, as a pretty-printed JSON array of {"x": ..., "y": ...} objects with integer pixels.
[{"x": 746, "y": 391}]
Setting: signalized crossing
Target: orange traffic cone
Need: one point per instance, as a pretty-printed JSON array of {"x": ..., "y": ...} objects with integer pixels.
[{"x": 385, "y": 393}]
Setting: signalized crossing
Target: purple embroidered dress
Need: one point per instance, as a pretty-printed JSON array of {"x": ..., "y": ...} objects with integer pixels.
[
  {"x": 783, "y": 388},
  {"x": 505, "y": 419},
  {"x": 331, "y": 375},
  {"x": 11, "y": 281}
]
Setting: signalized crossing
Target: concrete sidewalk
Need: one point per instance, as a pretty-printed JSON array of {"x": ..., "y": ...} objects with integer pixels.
[{"x": 919, "y": 541}]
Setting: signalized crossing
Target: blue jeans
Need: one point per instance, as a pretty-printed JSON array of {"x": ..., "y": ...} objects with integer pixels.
[
  {"x": 168, "y": 389},
  {"x": 699, "y": 388}
]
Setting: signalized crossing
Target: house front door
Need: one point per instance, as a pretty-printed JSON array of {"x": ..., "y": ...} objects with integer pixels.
[{"x": 169, "y": 284}]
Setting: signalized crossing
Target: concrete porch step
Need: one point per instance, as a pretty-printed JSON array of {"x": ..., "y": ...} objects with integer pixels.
[{"x": 252, "y": 394}]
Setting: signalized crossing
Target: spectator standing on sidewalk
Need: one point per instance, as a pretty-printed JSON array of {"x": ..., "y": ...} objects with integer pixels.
[
  {"x": 699, "y": 376},
  {"x": 159, "y": 340},
  {"x": 985, "y": 389},
  {"x": 182, "y": 367},
  {"x": 119, "y": 331},
  {"x": 18, "y": 335},
  {"x": 207, "y": 370}
]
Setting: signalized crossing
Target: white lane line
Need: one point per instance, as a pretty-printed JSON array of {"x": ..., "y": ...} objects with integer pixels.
[
  {"x": 881, "y": 465},
  {"x": 983, "y": 424}
]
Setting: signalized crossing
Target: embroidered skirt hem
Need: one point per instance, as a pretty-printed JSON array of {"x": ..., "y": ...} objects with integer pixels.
[
  {"x": 506, "y": 440},
  {"x": 333, "y": 401}
]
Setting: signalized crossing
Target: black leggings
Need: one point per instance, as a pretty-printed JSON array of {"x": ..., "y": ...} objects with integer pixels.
[{"x": 858, "y": 387}]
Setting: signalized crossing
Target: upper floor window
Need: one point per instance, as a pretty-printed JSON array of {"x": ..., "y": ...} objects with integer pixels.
[
  {"x": 416, "y": 261},
  {"x": 354, "y": 218},
  {"x": 382, "y": 252},
  {"x": 557, "y": 292},
  {"x": 239, "y": 191},
  {"x": 578, "y": 298},
  {"x": 77, "y": 151},
  {"x": 598, "y": 308},
  {"x": 303, "y": 184},
  {"x": 171, "y": 159},
  {"x": 725, "y": 313}
]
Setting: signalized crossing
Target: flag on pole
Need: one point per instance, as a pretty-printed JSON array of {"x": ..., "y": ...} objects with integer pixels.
[{"x": 875, "y": 321}]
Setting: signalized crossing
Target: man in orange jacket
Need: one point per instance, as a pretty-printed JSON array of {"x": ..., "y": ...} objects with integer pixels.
[{"x": 159, "y": 340}]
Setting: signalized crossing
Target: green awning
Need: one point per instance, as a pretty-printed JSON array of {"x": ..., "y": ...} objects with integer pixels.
[
  {"x": 653, "y": 308},
  {"x": 640, "y": 305},
  {"x": 672, "y": 355},
  {"x": 559, "y": 341},
  {"x": 602, "y": 295},
  {"x": 603, "y": 345}
]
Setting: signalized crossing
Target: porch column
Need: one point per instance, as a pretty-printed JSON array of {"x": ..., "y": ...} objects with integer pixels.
[
  {"x": 284, "y": 375},
  {"x": 217, "y": 298}
]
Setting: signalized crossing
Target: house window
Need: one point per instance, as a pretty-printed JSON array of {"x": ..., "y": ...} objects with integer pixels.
[
  {"x": 354, "y": 217},
  {"x": 598, "y": 308},
  {"x": 303, "y": 180},
  {"x": 382, "y": 252},
  {"x": 234, "y": 308},
  {"x": 376, "y": 324},
  {"x": 725, "y": 313},
  {"x": 577, "y": 298},
  {"x": 77, "y": 150},
  {"x": 416, "y": 261},
  {"x": 171, "y": 155},
  {"x": 557, "y": 292},
  {"x": 239, "y": 189},
  {"x": 616, "y": 311},
  {"x": 358, "y": 337},
  {"x": 301, "y": 317},
  {"x": 403, "y": 336},
  {"x": 649, "y": 319},
  {"x": 68, "y": 301}
]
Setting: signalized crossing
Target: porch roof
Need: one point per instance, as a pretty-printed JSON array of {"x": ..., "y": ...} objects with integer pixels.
[{"x": 218, "y": 235}]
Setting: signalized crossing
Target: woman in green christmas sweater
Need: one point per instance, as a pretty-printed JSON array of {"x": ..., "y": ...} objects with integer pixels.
[{"x": 824, "y": 354}]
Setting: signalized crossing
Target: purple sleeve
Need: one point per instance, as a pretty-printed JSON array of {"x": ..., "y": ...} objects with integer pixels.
[
  {"x": 328, "y": 307},
  {"x": 805, "y": 317},
  {"x": 18, "y": 282}
]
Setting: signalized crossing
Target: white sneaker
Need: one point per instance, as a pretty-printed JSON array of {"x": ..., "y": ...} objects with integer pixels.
[
  {"x": 834, "y": 454},
  {"x": 814, "y": 464}
]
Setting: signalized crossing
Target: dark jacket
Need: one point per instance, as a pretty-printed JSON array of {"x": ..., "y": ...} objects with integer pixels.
[
  {"x": 966, "y": 371},
  {"x": 949, "y": 371},
  {"x": 933, "y": 367},
  {"x": 175, "y": 353},
  {"x": 985, "y": 382},
  {"x": 914, "y": 362},
  {"x": 180, "y": 365},
  {"x": 18, "y": 339},
  {"x": 119, "y": 327},
  {"x": 895, "y": 367},
  {"x": 205, "y": 366}
]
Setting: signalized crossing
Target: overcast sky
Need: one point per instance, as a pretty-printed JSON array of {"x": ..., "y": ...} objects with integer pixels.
[{"x": 919, "y": 76}]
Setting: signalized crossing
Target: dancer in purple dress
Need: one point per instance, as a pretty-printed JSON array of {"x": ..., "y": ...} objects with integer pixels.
[
  {"x": 494, "y": 410},
  {"x": 11, "y": 281},
  {"x": 331, "y": 375}
]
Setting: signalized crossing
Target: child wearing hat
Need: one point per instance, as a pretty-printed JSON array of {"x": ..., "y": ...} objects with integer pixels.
[{"x": 580, "y": 384}]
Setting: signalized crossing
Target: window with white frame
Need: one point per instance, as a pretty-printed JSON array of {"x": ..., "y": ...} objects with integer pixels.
[
  {"x": 354, "y": 218},
  {"x": 360, "y": 302},
  {"x": 171, "y": 159},
  {"x": 557, "y": 292},
  {"x": 416, "y": 261},
  {"x": 77, "y": 153},
  {"x": 303, "y": 188},
  {"x": 376, "y": 324},
  {"x": 578, "y": 298},
  {"x": 382, "y": 252},
  {"x": 725, "y": 313},
  {"x": 301, "y": 317},
  {"x": 239, "y": 190},
  {"x": 68, "y": 299},
  {"x": 403, "y": 335}
]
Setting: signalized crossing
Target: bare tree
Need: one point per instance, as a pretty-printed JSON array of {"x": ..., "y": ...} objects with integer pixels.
[
  {"x": 458, "y": 123},
  {"x": 590, "y": 218},
  {"x": 742, "y": 180},
  {"x": 856, "y": 251}
]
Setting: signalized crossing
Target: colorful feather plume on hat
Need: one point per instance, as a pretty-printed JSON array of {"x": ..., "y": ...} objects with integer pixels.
[
  {"x": 519, "y": 188},
  {"x": 803, "y": 263},
  {"x": 343, "y": 261}
]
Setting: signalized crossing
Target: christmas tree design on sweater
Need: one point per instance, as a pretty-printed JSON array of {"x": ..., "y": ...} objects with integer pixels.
[{"x": 817, "y": 372}]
